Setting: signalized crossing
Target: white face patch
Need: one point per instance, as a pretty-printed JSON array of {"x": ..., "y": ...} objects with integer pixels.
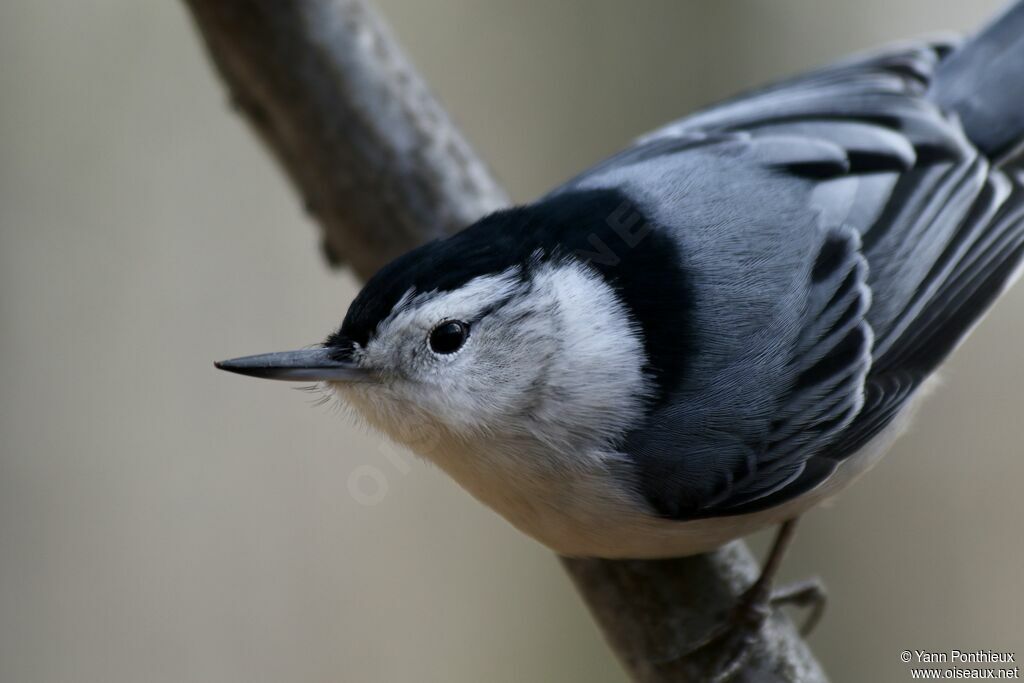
[
  {"x": 552, "y": 363},
  {"x": 424, "y": 311}
]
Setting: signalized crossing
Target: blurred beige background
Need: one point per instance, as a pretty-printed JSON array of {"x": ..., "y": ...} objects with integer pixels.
[{"x": 163, "y": 522}]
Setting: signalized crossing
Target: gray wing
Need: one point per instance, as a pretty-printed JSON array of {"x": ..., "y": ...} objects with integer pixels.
[{"x": 898, "y": 235}]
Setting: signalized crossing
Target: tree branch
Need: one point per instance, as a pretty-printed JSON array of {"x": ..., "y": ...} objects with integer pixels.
[
  {"x": 382, "y": 169},
  {"x": 376, "y": 159},
  {"x": 651, "y": 610}
]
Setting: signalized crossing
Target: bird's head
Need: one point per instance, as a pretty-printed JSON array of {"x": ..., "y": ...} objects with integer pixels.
[{"x": 499, "y": 332}]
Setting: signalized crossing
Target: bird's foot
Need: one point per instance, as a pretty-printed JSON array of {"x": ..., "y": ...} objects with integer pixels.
[
  {"x": 809, "y": 594},
  {"x": 730, "y": 642}
]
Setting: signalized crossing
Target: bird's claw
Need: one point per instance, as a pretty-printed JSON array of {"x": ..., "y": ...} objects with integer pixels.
[
  {"x": 809, "y": 594},
  {"x": 732, "y": 638}
]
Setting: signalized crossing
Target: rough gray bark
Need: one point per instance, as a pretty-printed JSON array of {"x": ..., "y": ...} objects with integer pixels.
[
  {"x": 375, "y": 157},
  {"x": 382, "y": 168},
  {"x": 650, "y": 610}
]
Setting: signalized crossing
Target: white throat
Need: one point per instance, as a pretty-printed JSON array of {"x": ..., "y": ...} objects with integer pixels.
[{"x": 574, "y": 386}]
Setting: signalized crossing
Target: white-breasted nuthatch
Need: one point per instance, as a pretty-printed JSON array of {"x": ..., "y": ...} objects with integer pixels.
[{"x": 715, "y": 329}]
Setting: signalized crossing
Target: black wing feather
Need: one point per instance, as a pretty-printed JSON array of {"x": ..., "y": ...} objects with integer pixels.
[{"x": 921, "y": 234}]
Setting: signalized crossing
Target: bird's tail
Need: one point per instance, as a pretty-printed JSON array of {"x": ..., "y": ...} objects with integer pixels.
[{"x": 982, "y": 82}]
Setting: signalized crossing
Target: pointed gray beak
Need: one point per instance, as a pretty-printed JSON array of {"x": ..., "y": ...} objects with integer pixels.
[{"x": 306, "y": 365}]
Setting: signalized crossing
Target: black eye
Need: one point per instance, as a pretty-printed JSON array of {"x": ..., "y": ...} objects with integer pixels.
[{"x": 448, "y": 337}]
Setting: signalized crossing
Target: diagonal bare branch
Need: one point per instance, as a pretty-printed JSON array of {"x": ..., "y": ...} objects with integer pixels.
[{"x": 375, "y": 157}]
